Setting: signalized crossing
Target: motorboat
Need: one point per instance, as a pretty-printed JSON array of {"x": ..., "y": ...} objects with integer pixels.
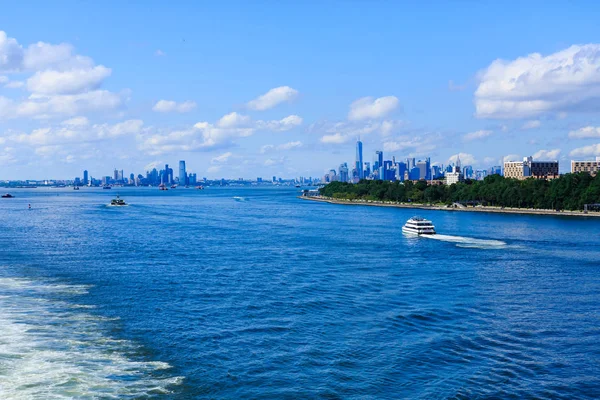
[
  {"x": 7, "y": 196},
  {"x": 173, "y": 186},
  {"x": 200, "y": 187},
  {"x": 162, "y": 187},
  {"x": 75, "y": 187},
  {"x": 418, "y": 226},
  {"x": 118, "y": 202},
  {"x": 106, "y": 187}
]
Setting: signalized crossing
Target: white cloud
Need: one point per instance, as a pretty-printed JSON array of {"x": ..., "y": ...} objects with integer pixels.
[
  {"x": 389, "y": 126},
  {"x": 546, "y": 155},
  {"x": 568, "y": 80},
  {"x": 290, "y": 145},
  {"x": 233, "y": 120},
  {"x": 42, "y": 105},
  {"x": 67, "y": 82},
  {"x": 282, "y": 147},
  {"x": 76, "y": 121},
  {"x": 284, "y": 124},
  {"x": 205, "y": 135},
  {"x": 222, "y": 158},
  {"x": 477, "y": 135},
  {"x": 587, "y": 151},
  {"x": 489, "y": 160},
  {"x": 160, "y": 53},
  {"x": 465, "y": 159},
  {"x": 587, "y": 132},
  {"x": 11, "y": 53},
  {"x": 170, "y": 106},
  {"x": 75, "y": 130},
  {"x": 336, "y": 138},
  {"x": 370, "y": 108},
  {"x": 129, "y": 127},
  {"x": 214, "y": 169},
  {"x": 266, "y": 148},
  {"x": 512, "y": 157},
  {"x": 273, "y": 98},
  {"x": 534, "y": 124},
  {"x": 3, "y": 79},
  {"x": 270, "y": 162}
]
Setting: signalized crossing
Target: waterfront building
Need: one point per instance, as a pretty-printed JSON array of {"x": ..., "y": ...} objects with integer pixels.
[
  {"x": 367, "y": 169},
  {"x": 531, "y": 169},
  {"x": 400, "y": 171},
  {"x": 359, "y": 159},
  {"x": 591, "y": 167},
  {"x": 422, "y": 166},
  {"x": 182, "y": 173},
  {"x": 85, "y": 177},
  {"x": 378, "y": 163}
]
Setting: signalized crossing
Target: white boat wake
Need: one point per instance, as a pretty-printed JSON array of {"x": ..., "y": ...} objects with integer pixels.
[{"x": 467, "y": 242}]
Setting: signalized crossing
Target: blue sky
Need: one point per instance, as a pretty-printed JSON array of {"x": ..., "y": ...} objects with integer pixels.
[{"x": 98, "y": 86}]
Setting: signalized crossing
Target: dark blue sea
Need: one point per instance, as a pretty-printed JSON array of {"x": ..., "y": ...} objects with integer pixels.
[{"x": 252, "y": 293}]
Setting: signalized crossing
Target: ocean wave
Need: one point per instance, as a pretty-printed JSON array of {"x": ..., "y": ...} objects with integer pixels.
[
  {"x": 52, "y": 349},
  {"x": 467, "y": 242}
]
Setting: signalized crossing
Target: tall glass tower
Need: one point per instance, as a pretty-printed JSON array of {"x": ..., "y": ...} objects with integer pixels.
[
  {"x": 182, "y": 174},
  {"x": 359, "y": 160}
]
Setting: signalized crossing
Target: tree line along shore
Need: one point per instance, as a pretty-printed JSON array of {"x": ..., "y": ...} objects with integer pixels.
[{"x": 567, "y": 192}]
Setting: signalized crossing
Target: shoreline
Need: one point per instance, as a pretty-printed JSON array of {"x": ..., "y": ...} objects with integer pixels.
[{"x": 485, "y": 209}]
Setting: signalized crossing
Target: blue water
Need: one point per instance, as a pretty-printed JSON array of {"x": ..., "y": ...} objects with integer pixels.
[{"x": 253, "y": 293}]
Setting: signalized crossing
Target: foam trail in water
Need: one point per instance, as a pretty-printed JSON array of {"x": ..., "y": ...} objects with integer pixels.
[
  {"x": 51, "y": 348},
  {"x": 462, "y": 241},
  {"x": 239, "y": 198}
]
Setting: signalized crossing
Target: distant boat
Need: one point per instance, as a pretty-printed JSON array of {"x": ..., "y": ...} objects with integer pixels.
[
  {"x": 75, "y": 187},
  {"x": 7, "y": 196},
  {"x": 297, "y": 185},
  {"x": 106, "y": 187},
  {"x": 162, "y": 187},
  {"x": 200, "y": 187},
  {"x": 173, "y": 186},
  {"x": 118, "y": 202}
]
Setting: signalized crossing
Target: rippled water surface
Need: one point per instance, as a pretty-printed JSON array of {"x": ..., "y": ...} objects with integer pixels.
[{"x": 253, "y": 293}]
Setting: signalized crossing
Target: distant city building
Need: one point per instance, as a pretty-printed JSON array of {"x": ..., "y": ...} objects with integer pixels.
[
  {"x": 343, "y": 170},
  {"x": 591, "y": 167},
  {"x": 85, "y": 177},
  {"x": 531, "y": 169},
  {"x": 359, "y": 159},
  {"x": 182, "y": 173},
  {"x": 455, "y": 174}
]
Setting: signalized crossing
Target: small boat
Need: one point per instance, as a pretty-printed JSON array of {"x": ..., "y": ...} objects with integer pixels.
[
  {"x": 75, "y": 187},
  {"x": 106, "y": 187},
  {"x": 173, "y": 186},
  {"x": 199, "y": 187},
  {"x": 7, "y": 196},
  {"x": 118, "y": 202},
  {"x": 418, "y": 226},
  {"x": 297, "y": 186},
  {"x": 162, "y": 187}
]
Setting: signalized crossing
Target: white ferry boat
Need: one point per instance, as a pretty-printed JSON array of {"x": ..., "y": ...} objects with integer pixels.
[{"x": 418, "y": 226}]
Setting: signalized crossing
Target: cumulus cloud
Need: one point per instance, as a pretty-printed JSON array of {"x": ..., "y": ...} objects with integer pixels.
[
  {"x": 272, "y": 98},
  {"x": 11, "y": 53},
  {"x": 477, "y": 135},
  {"x": 67, "y": 82},
  {"x": 336, "y": 138},
  {"x": 284, "y": 124},
  {"x": 370, "y": 108},
  {"x": 62, "y": 82},
  {"x": 222, "y": 158},
  {"x": 465, "y": 159},
  {"x": 547, "y": 154},
  {"x": 568, "y": 80},
  {"x": 160, "y": 53},
  {"x": 290, "y": 145},
  {"x": 165, "y": 106},
  {"x": 587, "y": 151},
  {"x": 205, "y": 135},
  {"x": 75, "y": 130},
  {"x": 587, "y": 132},
  {"x": 76, "y": 121},
  {"x": 266, "y": 148},
  {"x": 512, "y": 157},
  {"x": 534, "y": 124},
  {"x": 270, "y": 162}
]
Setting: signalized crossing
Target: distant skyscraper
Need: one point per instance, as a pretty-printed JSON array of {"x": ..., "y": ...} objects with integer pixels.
[
  {"x": 116, "y": 174},
  {"x": 378, "y": 160},
  {"x": 85, "y": 177},
  {"x": 182, "y": 173},
  {"x": 343, "y": 172},
  {"x": 359, "y": 160}
]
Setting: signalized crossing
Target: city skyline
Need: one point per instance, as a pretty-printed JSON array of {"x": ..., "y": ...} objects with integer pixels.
[{"x": 246, "y": 95}]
